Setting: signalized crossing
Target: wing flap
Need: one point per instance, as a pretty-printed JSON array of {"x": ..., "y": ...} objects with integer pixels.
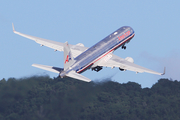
[{"x": 78, "y": 76}]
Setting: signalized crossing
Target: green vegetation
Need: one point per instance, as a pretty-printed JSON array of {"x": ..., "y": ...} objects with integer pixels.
[{"x": 43, "y": 98}]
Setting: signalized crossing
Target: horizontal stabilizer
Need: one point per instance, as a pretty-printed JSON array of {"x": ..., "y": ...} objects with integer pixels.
[
  {"x": 48, "y": 68},
  {"x": 78, "y": 76}
]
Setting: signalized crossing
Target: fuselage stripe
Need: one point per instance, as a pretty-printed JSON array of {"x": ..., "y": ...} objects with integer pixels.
[{"x": 79, "y": 71}]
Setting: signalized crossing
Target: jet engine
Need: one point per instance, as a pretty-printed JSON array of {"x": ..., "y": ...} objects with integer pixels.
[
  {"x": 129, "y": 59},
  {"x": 80, "y": 44}
]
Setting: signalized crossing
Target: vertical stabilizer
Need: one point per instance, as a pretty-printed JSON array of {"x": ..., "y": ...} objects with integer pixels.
[{"x": 68, "y": 58}]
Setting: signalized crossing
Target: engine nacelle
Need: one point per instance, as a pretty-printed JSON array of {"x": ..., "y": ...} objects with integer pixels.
[
  {"x": 80, "y": 44},
  {"x": 129, "y": 59}
]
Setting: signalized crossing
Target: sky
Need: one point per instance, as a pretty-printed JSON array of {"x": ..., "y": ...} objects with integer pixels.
[{"x": 156, "y": 43}]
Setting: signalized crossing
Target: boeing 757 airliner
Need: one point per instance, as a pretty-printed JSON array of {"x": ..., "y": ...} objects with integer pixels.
[{"x": 78, "y": 58}]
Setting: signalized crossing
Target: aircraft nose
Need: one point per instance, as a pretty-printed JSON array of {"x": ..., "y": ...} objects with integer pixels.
[{"x": 131, "y": 30}]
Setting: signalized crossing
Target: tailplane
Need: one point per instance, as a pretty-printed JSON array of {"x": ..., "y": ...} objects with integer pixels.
[
  {"x": 68, "y": 58},
  {"x": 78, "y": 76},
  {"x": 48, "y": 68}
]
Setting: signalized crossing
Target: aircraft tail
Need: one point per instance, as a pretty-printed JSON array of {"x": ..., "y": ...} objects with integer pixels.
[{"x": 68, "y": 58}]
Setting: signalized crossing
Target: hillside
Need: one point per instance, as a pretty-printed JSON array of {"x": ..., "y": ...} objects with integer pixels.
[{"x": 43, "y": 98}]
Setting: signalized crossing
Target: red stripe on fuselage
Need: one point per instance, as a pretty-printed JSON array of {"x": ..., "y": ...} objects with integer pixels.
[{"x": 105, "y": 54}]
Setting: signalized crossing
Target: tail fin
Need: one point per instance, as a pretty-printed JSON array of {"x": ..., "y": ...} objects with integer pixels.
[{"x": 68, "y": 58}]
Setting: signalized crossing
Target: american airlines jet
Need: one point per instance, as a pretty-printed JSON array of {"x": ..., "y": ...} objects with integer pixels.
[{"x": 78, "y": 58}]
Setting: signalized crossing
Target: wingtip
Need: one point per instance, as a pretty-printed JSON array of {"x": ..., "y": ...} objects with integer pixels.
[
  {"x": 164, "y": 71},
  {"x": 13, "y": 27}
]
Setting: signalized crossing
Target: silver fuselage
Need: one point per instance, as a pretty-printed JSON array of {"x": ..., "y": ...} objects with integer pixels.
[{"x": 88, "y": 58}]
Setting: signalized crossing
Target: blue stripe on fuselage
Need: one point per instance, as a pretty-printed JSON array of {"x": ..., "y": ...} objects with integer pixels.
[
  {"x": 111, "y": 49},
  {"x": 110, "y": 43}
]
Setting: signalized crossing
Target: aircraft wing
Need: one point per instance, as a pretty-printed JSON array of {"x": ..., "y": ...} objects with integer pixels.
[
  {"x": 116, "y": 61},
  {"x": 75, "y": 49},
  {"x": 71, "y": 74}
]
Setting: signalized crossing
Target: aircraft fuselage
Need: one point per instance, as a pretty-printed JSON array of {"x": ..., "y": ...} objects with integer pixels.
[{"x": 107, "y": 45}]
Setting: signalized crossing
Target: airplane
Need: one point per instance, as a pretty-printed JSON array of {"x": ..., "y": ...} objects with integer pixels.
[{"x": 78, "y": 58}]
